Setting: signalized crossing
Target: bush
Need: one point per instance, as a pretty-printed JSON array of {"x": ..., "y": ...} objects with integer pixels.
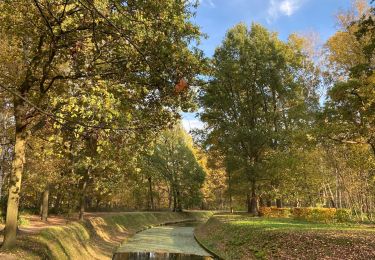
[
  {"x": 300, "y": 213},
  {"x": 326, "y": 215},
  {"x": 273, "y": 212},
  {"x": 265, "y": 211},
  {"x": 343, "y": 215},
  {"x": 315, "y": 214},
  {"x": 323, "y": 214}
]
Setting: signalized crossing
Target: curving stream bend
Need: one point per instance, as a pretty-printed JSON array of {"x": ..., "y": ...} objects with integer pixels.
[{"x": 164, "y": 242}]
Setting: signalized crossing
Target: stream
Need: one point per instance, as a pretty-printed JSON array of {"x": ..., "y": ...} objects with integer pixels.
[{"x": 175, "y": 241}]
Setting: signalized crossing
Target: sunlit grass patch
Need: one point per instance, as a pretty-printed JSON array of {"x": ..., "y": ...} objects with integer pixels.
[
  {"x": 288, "y": 224},
  {"x": 242, "y": 236}
]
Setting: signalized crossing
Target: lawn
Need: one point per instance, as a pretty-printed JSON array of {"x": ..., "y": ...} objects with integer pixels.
[{"x": 241, "y": 236}]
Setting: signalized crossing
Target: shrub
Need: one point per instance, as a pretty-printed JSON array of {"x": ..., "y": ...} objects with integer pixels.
[
  {"x": 265, "y": 211},
  {"x": 323, "y": 214},
  {"x": 343, "y": 215},
  {"x": 300, "y": 213},
  {"x": 273, "y": 212},
  {"x": 315, "y": 214},
  {"x": 327, "y": 215}
]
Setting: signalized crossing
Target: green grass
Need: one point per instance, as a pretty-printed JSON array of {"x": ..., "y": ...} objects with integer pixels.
[
  {"x": 290, "y": 224},
  {"x": 244, "y": 237}
]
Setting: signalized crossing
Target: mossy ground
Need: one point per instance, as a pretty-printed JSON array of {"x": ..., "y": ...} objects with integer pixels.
[
  {"x": 96, "y": 237},
  {"x": 240, "y": 236}
]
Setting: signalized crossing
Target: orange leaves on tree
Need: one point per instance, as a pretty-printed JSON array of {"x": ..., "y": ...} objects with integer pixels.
[{"x": 181, "y": 86}]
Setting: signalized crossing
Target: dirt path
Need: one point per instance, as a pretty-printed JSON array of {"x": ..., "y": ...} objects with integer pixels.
[{"x": 35, "y": 224}]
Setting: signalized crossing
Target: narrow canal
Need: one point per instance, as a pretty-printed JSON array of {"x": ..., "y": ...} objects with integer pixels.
[{"x": 164, "y": 242}]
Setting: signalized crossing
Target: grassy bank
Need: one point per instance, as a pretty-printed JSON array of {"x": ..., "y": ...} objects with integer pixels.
[
  {"x": 95, "y": 238},
  {"x": 245, "y": 237}
]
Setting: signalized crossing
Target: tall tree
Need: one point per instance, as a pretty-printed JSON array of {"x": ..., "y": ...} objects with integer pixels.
[
  {"x": 175, "y": 160},
  {"x": 349, "y": 110},
  {"x": 140, "y": 47},
  {"x": 259, "y": 84}
]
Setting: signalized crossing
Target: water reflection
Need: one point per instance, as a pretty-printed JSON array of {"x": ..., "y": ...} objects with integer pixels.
[{"x": 157, "y": 256}]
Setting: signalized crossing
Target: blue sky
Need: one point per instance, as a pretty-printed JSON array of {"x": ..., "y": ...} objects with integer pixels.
[{"x": 215, "y": 17}]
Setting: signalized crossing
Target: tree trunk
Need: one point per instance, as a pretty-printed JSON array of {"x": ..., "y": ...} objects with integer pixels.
[
  {"x": 230, "y": 193},
  {"x": 279, "y": 203},
  {"x": 83, "y": 195},
  {"x": 221, "y": 201},
  {"x": 179, "y": 203},
  {"x": 57, "y": 205},
  {"x": 10, "y": 231},
  {"x": 170, "y": 195},
  {"x": 248, "y": 199},
  {"x": 332, "y": 197},
  {"x": 97, "y": 204},
  {"x": 82, "y": 205},
  {"x": 269, "y": 203},
  {"x": 40, "y": 201},
  {"x": 174, "y": 200},
  {"x": 45, "y": 198},
  {"x": 89, "y": 203},
  {"x": 253, "y": 200},
  {"x": 151, "y": 194}
]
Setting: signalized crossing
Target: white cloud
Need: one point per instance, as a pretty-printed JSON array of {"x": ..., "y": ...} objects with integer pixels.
[
  {"x": 210, "y": 3},
  {"x": 282, "y": 7},
  {"x": 190, "y": 124}
]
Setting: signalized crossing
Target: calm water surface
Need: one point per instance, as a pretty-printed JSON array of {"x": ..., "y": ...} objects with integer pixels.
[{"x": 164, "y": 242}]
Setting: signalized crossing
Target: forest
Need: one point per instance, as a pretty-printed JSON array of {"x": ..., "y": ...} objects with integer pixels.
[{"x": 93, "y": 93}]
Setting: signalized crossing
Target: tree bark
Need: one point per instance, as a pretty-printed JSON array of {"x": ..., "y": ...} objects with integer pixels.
[
  {"x": 332, "y": 197},
  {"x": 170, "y": 196},
  {"x": 253, "y": 200},
  {"x": 174, "y": 200},
  {"x": 230, "y": 193},
  {"x": 179, "y": 203},
  {"x": 151, "y": 194},
  {"x": 45, "y": 198},
  {"x": 57, "y": 205},
  {"x": 248, "y": 199},
  {"x": 254, "y": 204},
  {"x": 82, "y": 205},
  {"x": 279, "y": 203},
  {"x": 83, "y": 195},
  {"x": 97, "y": 204},
  {"x": 18, "y": 163}
]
